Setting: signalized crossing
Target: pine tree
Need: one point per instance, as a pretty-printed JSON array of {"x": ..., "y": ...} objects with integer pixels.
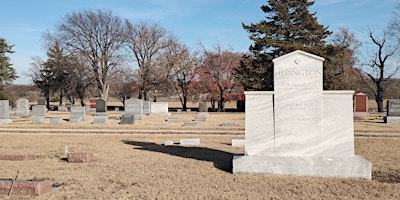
[
  {"x": 7, "y": 72},
  {"x": 288, "y": 26}
]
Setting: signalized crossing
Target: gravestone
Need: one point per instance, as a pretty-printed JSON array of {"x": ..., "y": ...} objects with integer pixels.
[
  {"x": 56, "y": 120},
  {"x": 127, "y": 119},
  {"x": 100, "y": 117},
  {"x": 5, "y": 112},
  {"x": 68, "y": 105},
  {"x": 22, "y": 108},
  {"x": 237, "y": 143},
  {"x": 299, "y": 129},
  {"x": 92, "y": 105},
  {"x": 37, "y": 120},
  {"x": 189, "y": 141},
  {"x": 360, "y": 106},
  {"x": 159, "y": 108},
  {"x": 392, "y": 111},
  {"x": 190, "y": 124},
  {"x": 146, "y": 107},
  {"x": 39, "y": 110},
  {"x": 203, "y": 110},
  {"x": 134, "y": 107},
  {"x": 173, "y": 119},
  {"x": 200, "y": 119},
  {"x": 78, "y": 114},
  {"x": 41, "y": 101}
]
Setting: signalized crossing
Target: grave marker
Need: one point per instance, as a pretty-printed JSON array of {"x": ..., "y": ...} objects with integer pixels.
[
  {"x": 22, "y": 108},
  {"x": 100, "y": 117},
  {"x": 392, "y": 111},
  {"x": 159, "y": 108},
  {"x": 39, "y": 110},
  {"x": 298, "y": 129},
  {"x": 78, "y": 114},
  {"x": 5, "y": 112}
]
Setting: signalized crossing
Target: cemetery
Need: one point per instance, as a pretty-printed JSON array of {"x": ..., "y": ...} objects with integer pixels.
[{"x": 297, "y": 146}]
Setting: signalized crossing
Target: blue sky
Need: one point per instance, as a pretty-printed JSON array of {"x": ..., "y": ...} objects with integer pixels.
[{"x": 210, "y": 22}]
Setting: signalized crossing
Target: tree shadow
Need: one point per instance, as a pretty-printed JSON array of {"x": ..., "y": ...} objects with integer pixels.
[
  {"x": 221, "y": 159},
  {"x": 390, "y": 176}
]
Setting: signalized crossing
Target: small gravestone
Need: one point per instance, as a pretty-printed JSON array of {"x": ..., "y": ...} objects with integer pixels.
[
  {"x": 392, "y": 111},
  {"x": 237, "y": 142},
  {"x": 39, "y": 110},
  {"x": 189, "y": 142},
  {"x": 127, "y": 119},
  {"x": 228, "y": 124},
  {"x": 168, "y": 143},
  {"x": 200, "y": 119},
  {"x": 80, "y": 157},
  {"x": 173, "y": 119},
  {"x": 56, "y": 120},
  {"x": 203, "y": 110},
  {"x": 41, "y": 101},
  {"x": 92, "y": 105},
  {"x": 298, "y": 129},
  {"x": 360, "y": 106},
  {"x": 78, "y": 114},
  {"x": 5, "y": 112},
  {"x": 159, "y": 108},
  {"x": 100, "y": 117},
  {"x": 178, "y": 110},
  {"x": 38, "y": 120},
  {"x": 203, "y": 114},
  {"x": 146, "y": 107},
  {"x": 190, "y": 124},
  {"x": 22, "y": 108}
]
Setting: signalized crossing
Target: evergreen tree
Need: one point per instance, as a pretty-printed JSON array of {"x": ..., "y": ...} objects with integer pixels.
[
  {"x": 7, "y": 73},
  {"x": 288, "y": 26}
]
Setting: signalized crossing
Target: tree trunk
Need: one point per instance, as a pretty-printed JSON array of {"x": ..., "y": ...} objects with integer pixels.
[
  {"x": 48, "y": 101},
  {"x": 221, "y": 103},
  {"x": 60, "y": 101},
  {"x": 379, "y": 97},
  {"x": 184, "y": 106}
]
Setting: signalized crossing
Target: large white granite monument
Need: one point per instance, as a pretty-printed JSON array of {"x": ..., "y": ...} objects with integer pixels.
[{"x": 299, "y": 129}]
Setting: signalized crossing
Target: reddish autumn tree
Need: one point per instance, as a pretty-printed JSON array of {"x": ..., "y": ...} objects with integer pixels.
[{"x": 216, "y": 76}]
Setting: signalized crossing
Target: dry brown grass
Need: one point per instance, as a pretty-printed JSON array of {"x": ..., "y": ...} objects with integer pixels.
[{"x": 139, "y": 166}]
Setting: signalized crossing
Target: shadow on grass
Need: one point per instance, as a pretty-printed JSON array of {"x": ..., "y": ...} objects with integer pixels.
[
  {"x": 391, "y": 176},
  {"x": 221, "y": 159}
]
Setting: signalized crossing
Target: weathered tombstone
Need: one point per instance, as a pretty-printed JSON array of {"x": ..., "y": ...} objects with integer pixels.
[
  {"x": 189, "y": 141},
  {"x": 200, "y": 119},
  {"x": 39, "y": 110},
  {"x": 190, "y": 124},
  {"x": 168, "y": 143},
  {"x": 360, "y": 106},
  {"x": 22, "y": 108},
  {"x": 78, "y": 114},
  {"x": 298, "y": 129},
  {"x": 100, "y": 117},
  {"x": 203, "y": 110},
  {"x": 37, "y": 120},
  {"x": 127, "y": 119},
  {"x": 392, "y": 111},
  {"x": 4, "y": 112},
  {"x": 41, "y": 101},
  {"x": 173, "y": 119},
  {"x": 159, "y": 108},
  {"x": 146, "y": 107}
]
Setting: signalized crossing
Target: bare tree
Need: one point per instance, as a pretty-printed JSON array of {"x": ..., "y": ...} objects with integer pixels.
[
  {"x": 96, "y": 35},
  {"x": 181, "y": 69},
  {"x": 146, "y": 42},
  {"x": 381, "y": 66},
  {"x": 124, "y": 85}
]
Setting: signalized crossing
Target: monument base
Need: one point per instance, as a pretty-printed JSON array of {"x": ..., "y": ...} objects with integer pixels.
[{"x": 343, "y": 167}]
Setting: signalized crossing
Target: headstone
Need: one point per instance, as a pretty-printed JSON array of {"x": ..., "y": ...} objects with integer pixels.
[
  {"x": 39, "y": 110},
  {"x": 228, "y": 124},
  {"x": 101, "y": 106},
  {"x": 78, "y": 114},
  {"x": 56, "y": 120},
  {"x": 146, "y": 107},
  {"x": 361, "y": 102},
  {"x": 134, "y": 107},
  {"x": 5, "y": 112},
  {"x": 22, "y": 108},
  {"x": 238, "y": 142},
  {"x": 127, "y": 119},
  {"x": 68, "y": 105},
  {"x": 41, "y": 101},
  {"x": 80, "y": 157},
  {"x": 298, "y": 129},
  {"x": 200, "y": 119},
  {"x": 178, "y": 110},
  {"x": 159, "y": 108},
  {"x": 38, "y": 120},
  {"x": 189, "y": 141},
  {"x": 173, "y": 119},
  {"x": 190, "y": 124},
  {"x": 168, "y": 143},
  {"x": 203, "y": 114},
  {"x": 203, "y": 107},
  {"x": 392, "y": 111},
  {"x": 100, "y": 117},
  {"x": 92, "y": 104}
]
